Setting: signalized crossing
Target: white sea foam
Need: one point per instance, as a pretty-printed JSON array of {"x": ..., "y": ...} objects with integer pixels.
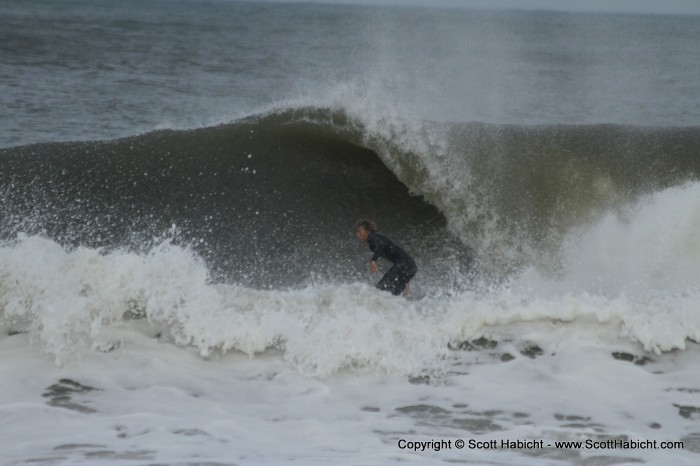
[
  {"x": 647, "y": 259},
  {"x": 186, "y": 370},
  {"x": 638, "y": 275}
]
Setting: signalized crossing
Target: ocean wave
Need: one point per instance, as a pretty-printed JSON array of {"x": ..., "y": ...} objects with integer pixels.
[
  {"x": 270, "y": 200},
  {"x": 86, "y": 299}
]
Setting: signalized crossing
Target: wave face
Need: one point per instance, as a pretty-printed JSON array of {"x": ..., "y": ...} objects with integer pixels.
[
  {"x": 271, "y": 200},
  {"x": 530, "y": 186},
  {"x": 267, "y": 201}
]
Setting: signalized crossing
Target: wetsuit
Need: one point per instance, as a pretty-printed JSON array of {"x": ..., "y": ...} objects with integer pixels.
[{"x": 404, "y": 268}]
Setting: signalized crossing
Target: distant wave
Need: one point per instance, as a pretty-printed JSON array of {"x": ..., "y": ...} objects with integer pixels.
[{"x": 240, "y": 237}]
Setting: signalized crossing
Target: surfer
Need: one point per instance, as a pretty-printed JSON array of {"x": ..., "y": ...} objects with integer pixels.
[{"x": 404, "y": 268}]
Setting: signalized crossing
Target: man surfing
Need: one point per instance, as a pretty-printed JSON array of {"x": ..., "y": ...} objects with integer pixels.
[{"x": 404, "y": 268}]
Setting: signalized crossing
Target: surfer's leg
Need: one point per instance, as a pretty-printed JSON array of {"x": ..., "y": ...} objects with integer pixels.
[
  {"x": 407, "y": 272},
  {"x": 397, "y": 278},
  {"x": 391, "y": 281}
]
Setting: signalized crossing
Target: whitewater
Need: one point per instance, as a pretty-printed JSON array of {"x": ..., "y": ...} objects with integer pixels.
[
  {"x": 129, "y": 359},
  {"x": 179, "y": 278}
]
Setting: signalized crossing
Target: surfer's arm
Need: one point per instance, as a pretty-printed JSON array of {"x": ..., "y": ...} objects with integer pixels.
[{"x": 376, "y": 245}]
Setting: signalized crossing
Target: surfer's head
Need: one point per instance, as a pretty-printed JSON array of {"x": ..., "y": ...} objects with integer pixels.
[{"x": 365, "y": 228}]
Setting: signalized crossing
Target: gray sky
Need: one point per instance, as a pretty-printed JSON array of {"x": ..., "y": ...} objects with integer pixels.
[{"x": 626, "y": 6}]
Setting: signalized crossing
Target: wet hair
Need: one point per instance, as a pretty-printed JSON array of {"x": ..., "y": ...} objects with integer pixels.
[{"x": 368, "y": 225}]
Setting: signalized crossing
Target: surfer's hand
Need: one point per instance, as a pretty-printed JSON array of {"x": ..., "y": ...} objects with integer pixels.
[{"x": 373, "y": 267}]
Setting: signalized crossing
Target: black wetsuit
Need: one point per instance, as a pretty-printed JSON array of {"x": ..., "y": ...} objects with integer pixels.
[{"x": 396, "y": 279}]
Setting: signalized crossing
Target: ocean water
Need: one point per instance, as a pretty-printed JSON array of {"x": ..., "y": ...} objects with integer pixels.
[{"x": 179, "y": 279}]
